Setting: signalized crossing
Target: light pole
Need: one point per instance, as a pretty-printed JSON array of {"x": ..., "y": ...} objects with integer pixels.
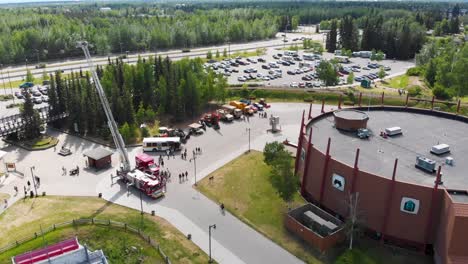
[
  {"x": 194, "y": 158},
  {"x": 229, "y": 49},
  {"x": 3, "y": 80},
  {"x": 120, "y": 48},
  {"x": 209, "y": 236},
  {"x": 33, "y": 180},
  {"x": 11, "y": 88},
  {"x": 37, "y": 54},
  {"x": 128, "y": 59},
  {"x": 248, "y": 130}
]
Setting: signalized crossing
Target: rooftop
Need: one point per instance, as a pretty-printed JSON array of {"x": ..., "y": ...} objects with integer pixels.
[
  {"x": 98, "y": 153},
  {"x": 420, "y": 133},
  {"x": 351, "y": 114}
]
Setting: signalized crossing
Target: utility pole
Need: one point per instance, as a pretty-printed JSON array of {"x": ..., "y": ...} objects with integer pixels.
[
  {"x": 11, "y": 88},
  {"x": 194, "y": 158},
  {"x": 37, "y": 54},
  {"x": 33, "y": 180},
  {"x": 2, "y": 75},
  {"x": 248, "y": 130},
  {"x": 209, "y": 239}
]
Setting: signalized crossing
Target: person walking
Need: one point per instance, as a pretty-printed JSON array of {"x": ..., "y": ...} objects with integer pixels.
[
  {"x": 77, "y": 170},
  {"x": 180, "y": 178},
  {"x": 29, "y": 185},
  {"x": 162, "y": 163},
  {"x": 186, "y": 175}
]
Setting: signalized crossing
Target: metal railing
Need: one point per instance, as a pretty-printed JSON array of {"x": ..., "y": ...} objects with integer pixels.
[{"x": 90, "y": 221}]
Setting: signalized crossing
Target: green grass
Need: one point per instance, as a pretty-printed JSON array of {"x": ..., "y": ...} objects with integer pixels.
[
  {"x": 244, "y": 54},
  {"x": 399, "y": 82},
  {"x": 245, "y": 190},
  {"x": 118, "y": 245},
  {"x": 26, "y": 216}
]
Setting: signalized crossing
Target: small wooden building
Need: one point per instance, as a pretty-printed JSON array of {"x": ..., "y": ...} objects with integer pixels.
[{"x": 99, "y": 158}]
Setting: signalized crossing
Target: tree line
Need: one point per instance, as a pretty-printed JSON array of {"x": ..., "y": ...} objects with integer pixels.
[
  {"x": 443, "y": 63},
  {"x": 31, "y": 34},
  {"x": 136, "y": 93},
  {"x": 397, "y": 33}
]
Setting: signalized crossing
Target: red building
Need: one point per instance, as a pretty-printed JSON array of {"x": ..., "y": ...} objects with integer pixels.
[{"x": 401, "y": 204}]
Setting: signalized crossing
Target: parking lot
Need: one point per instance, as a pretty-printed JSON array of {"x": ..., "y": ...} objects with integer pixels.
[{"x": 270, "y": 69}]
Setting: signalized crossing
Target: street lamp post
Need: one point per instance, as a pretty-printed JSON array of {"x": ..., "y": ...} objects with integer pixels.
[
  {"x": 248, "y": 130},
  {"x": 128, "y": 59},
  {"x": 120, "y": 48},
  {"x": 11, "y": 88},
  {"x": 37, "y": 54},
  {"x": 209, "y": 236},
  {"x": 229, "y": 49},
  {"x": 33, "y": 180},
  {"x": 194, "y": 158}
]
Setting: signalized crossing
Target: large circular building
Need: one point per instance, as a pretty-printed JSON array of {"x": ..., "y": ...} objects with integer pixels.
[{"x": 411, "y": 174}]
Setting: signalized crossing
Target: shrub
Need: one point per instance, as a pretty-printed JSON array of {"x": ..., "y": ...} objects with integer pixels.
[
  {"x": 414, "y": 91},
  {"x": 440, "y": 93},
  {"x": 415, "y": 71}
]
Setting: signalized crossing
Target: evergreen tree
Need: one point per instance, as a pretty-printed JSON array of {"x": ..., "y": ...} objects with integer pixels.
[
  {"x": 430, "y": 73},
  {"x": 348, "y": 34},
  {"x": 332, "y": 36},
  {"x": 31, "y": 118}
]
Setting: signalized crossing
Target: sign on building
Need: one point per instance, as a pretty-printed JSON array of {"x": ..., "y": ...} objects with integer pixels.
[
  {"x": 409, "y": 205},
  {"x": 338, "y": 182}
]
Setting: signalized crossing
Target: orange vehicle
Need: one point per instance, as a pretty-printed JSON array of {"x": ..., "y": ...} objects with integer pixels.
[{"x": 238, "y": 105}]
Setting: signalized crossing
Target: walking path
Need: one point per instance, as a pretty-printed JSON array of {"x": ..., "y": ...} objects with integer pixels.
[{"x": 183, "y": 206}]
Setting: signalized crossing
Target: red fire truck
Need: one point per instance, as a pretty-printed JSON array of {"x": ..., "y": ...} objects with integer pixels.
[
  {"x": 151, "y": 185},
  {"x": 146, "y": 163}
]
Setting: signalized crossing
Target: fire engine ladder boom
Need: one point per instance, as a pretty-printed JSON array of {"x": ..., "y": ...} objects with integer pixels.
[{"x": 118, "y": 141}]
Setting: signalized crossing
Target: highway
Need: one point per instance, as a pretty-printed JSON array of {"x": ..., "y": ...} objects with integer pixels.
[{"x": 15, "y": 73}]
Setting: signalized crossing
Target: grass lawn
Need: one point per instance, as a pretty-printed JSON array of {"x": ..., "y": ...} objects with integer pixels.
[
  {"x": 26, "y": 216},
  {"x": 244, "y": 188},
  {"x": 118, "y": 246},
  {"x": 399, "y": 82}
]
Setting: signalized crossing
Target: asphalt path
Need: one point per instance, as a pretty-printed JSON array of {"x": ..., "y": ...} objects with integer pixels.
[{"x": 187, "y": 209}]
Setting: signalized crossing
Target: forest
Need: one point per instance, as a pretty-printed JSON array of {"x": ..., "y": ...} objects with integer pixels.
[
  {"x": 136, "y": 94},
  {"x": 38, "y": 34},
  {"x": 443, "y": 63}
]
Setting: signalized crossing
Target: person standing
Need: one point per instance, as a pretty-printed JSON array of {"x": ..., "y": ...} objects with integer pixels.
[
  {"x": 186, "y": 175},
  {"x": 29, "y": 184}
]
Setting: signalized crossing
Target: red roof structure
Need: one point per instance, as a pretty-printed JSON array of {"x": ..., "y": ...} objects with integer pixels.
[{"x": 39, "y": 255}]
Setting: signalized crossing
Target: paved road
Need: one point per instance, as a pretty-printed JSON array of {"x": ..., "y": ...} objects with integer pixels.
[
  {"x": 187, "y": 209},
  {"x": 19, "y": 72}
]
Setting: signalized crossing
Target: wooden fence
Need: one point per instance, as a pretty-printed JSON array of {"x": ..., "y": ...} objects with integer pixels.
[{"x": 92, "y": 221}]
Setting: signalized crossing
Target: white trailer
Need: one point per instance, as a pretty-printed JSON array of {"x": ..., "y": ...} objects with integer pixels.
[
  {"x": 440, "y": 149},
  {"x": 392, "y": 131}
]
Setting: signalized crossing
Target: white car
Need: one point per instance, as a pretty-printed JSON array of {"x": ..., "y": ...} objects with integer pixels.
[
  {"x": 241, "y": 79},
  {"x": 266, "y": 78},
  {"x": 45, "y": 98},
  {"x": 294, "y": 85}
]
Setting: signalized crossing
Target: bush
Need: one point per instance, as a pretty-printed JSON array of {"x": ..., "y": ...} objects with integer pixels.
[
  {"x": 415, "y": 71},
  {"x": 354, "y": 256},
  {"x": 440, "y": 93},
  {"x": 414, "y": 91}
]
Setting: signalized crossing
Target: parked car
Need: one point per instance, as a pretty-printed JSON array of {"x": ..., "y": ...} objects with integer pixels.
[
  {"x": 266, "y": 67},
  {"x": 261, "y": 60},
  {"x": 241, "y": 79},
  {"x": 294, "y": 85},
  {"x": 37, "y": 100},
  {"x": 301, "y": 85},
  {"x": 291, "y": 72},
  {"x": 45, "y": 98},
  {"x": 19, "y": 95}
]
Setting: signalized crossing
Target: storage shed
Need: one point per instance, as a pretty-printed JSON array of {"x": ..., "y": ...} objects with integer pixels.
[{"x": 99, "y": 158}]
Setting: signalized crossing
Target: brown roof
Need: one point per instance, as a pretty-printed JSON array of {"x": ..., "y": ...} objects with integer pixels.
[{"x": 98, "y": 153}]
